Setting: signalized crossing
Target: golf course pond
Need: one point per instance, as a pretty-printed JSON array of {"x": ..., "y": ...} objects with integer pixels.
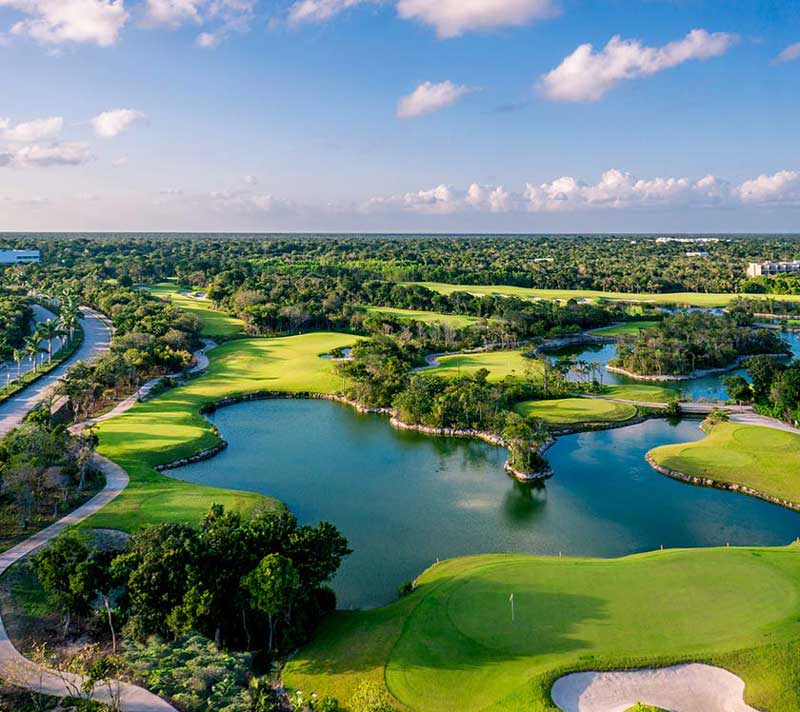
[
  {"x": 404, "y": 499},
  {"x": 706, "y": 388}
]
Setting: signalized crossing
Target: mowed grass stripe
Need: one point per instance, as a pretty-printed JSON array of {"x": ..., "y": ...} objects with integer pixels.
[{"x": 169, "y": 427}]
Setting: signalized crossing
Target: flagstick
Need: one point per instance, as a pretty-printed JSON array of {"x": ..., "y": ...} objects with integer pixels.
[{"x": 512, "y": 607}]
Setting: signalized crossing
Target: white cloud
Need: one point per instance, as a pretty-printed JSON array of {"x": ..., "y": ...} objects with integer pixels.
[
  {"x": 321, "y": 10},
  {"x": 114, "y": 122},
  {"x": 789, "y": 54},
  {"x": 58, "y": 21},
  {"x": 451, "y": 18},
  {"x": 39, "y": 155},
  {"x": 781, "y": 188},
  {"x": 207, "y": 40},
  {"x": 173, "y": 12},
  {"x": 121, "y": 161},
  {"x": 586, "y": 75},
  {"x": 32, "y": 131},
  {"x": 429, "y": 97}
]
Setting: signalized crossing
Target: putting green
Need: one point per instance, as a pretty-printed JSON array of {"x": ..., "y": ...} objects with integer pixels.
[
  {"x": 457, "y": 321},
  {"x": 452, "y": 644},
  {"x": 169, "y": 427},
  {"x": 499, "y": 364},
  {"x": 569, "y": 411},
  {"x": 629, "y": 328},
  {"x": 688, "y": 298},
  {"x": 765, "y": 459},
  {"x": 216, "y": 324}
]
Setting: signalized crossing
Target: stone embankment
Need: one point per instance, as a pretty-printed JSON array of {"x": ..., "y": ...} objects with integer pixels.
[
  {"x": 700, "y": 373},
  {"x": 717, "y": 484}
]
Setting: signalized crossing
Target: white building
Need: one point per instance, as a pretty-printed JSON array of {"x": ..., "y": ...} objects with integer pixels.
[
  {"x": 767, "y": 269},
  {"x": 19, "y": 257}
]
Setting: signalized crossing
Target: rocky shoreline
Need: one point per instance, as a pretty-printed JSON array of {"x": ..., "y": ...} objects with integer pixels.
[
  {"x": 701, "y": 373},
  {"x": 716, "y": 484}
]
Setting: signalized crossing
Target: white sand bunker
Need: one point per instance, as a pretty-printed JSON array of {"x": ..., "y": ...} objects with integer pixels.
[{"x": 681, "y": 688}]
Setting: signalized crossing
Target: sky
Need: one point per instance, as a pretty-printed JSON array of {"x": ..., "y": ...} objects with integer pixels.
[{"x": 400, "y": 115}]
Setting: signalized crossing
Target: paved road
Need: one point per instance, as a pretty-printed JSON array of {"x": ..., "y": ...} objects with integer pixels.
[
  {"x": 22, "y": 672},
  {"x": 96, "y": 338}
]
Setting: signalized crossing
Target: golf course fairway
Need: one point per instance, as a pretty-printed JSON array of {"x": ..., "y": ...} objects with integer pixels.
[
  {"x": 764, "y": 459},
  {"x": 169, "y": 426},
  {"x": 214, "y": 324},
  {"x": 500, "y": 364},
  {"x": 452, "y": 644},
  {"x": 694, "y": 299}
]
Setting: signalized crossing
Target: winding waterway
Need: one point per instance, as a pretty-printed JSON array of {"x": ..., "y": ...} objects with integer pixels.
[
  {"x": 707, "y": 388},
  {"x": 403, "y": 499}
]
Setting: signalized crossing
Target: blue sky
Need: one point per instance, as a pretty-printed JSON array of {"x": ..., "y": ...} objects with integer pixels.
[{"x": 400, "y": 115}]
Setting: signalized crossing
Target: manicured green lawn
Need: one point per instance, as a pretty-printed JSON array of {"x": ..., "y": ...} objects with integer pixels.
[
  {"x": 688, "y": 298},
  {"x": 628, "y": 328},
  {"x": 169, "y": 426},
  {"x": 569, "y": 411},
  {"x": 640, "y": 393},
  {"x": 215, "y": 323},
  {"x": 455, "y": 320},
  {"x": 451, "y": 645},
  {"x": 499, "y": 364},
  {"x": 762, "y": 458}
]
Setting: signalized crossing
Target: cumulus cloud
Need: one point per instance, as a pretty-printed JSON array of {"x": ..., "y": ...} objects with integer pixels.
[
  {"x": 113, "y": 123},
  {"x": 586, "y": 75},
  {"x": 173, "y": 12},
  {"x": 781, "y": 188},
  {"x": 789, "y": 54},
  {"x": 59, "y": 21},
  {"x": 320, "y": 10},
  {"x": 41, "y": 155},
  {"x": 208, "y": 40},
  {"x": 451, "y": 18},
  {"x": 32, "y": 131},
  {"x": 429, "y": 97}
]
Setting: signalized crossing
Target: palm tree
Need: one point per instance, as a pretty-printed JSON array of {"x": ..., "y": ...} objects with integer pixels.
[
  {"x": 48, "y": 330},
  {"x": 17, "y": 355},
  {"x": 32, "y": 349},
  {"x": 5, "y": 347}
]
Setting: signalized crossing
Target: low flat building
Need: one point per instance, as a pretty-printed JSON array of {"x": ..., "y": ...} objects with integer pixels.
[
  {"x": 19, "y": 257},
  {"x": 769, "y": 269}
]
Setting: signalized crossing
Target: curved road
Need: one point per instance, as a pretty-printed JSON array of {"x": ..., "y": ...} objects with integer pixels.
[{"x": 96, "y": 338}]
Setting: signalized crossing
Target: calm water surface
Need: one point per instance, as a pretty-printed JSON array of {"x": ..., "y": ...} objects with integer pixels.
[
  {"x": 403, "y": 499},
  {"x": 708, "y": 388}
]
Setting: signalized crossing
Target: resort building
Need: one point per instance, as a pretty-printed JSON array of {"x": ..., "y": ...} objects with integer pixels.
[
  {"x": 19, "y": 257},
  {"x": 768, "y": 269}
]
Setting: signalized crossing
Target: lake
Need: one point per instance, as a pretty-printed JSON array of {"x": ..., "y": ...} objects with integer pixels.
[
  {"x": 403, "y": 498},
  {"x": 707, "y": 388}
]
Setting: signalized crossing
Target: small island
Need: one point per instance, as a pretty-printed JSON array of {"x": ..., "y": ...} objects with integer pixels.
[{"x": 693, "y": 344}]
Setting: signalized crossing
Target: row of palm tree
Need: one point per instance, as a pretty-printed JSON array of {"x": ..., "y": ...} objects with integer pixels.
[{"x": 49, "y": 331}]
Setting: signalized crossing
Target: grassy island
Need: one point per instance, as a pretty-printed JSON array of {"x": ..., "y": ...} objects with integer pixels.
[
  {"x": 763, "y": 459},
  {"x": 499, "y": 364},
  {"x": 570, "y": 614},
  {"x": 571, "y": 411}
]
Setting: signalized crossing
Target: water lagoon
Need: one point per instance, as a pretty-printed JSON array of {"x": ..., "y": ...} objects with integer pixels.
[{"x": 404, "y": 499}]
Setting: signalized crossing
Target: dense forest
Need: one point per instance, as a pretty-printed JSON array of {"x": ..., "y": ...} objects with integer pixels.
[
  {"x": 15, "y": 320},
  {"x": 694, "y": 341},
  {"x": 611, "y": 263}
]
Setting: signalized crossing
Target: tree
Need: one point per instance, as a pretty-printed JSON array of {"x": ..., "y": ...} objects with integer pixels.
[
  {"x": 738, "y": 388},
  {"x": 67, "y": 575},
  {"x": 762, "y": 370},
  {"x": 272, "y": 586}
]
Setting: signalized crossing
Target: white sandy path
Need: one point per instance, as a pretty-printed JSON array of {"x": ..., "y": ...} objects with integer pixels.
[
  {"x": 681, "y": 688},
  {"x": 23, "y": 673}
]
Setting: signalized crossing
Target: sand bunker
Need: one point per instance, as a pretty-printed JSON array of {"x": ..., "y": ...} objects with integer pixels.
[{"x": 681, "y": 688}]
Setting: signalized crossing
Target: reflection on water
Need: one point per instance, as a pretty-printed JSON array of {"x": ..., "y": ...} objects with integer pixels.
[
  {"x": 708, "y": 388},
  {"x": 404, "y": 499}
]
